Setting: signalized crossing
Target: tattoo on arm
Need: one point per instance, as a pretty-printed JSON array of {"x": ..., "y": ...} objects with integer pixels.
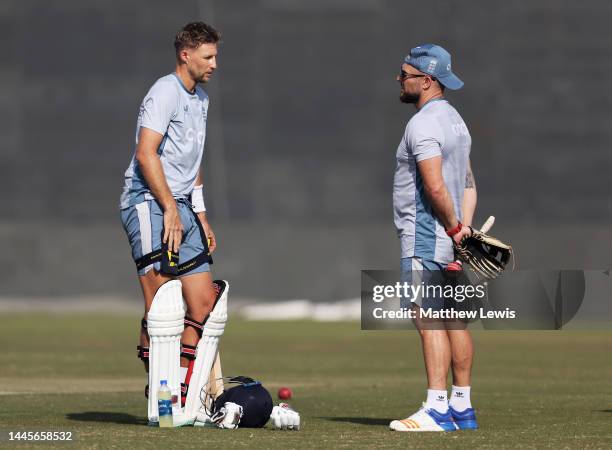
[{"x": 469, "y": 179}]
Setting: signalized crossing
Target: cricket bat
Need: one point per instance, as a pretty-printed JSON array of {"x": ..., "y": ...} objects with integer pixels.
[{"x": 215, "y": 385}]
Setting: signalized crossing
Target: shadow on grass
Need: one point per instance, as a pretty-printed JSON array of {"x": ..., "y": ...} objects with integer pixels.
[
  {"x": 107, "y": 417},
  {"x": 604, "y": 410},
  {"x": 360, "y": 420}
]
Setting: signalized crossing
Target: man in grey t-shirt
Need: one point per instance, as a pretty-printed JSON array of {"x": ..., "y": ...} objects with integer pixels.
[
  {"x": 163, "y": 213},
  {"x": 434, "y": 199}
]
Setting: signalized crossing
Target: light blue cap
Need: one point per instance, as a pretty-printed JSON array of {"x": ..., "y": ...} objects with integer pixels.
[{"x": 435, "y": 61}]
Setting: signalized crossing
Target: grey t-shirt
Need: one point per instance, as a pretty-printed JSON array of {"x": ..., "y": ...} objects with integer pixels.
[
  {"x": 180, "y": 116},
  {"x": 436, "y": 129}
]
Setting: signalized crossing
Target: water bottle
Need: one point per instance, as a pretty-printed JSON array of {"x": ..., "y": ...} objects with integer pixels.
[{"x": 164, "y": 402}]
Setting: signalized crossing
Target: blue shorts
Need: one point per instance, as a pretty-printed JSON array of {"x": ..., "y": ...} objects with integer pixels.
[
  {"x": 144, "y": 224},
  {"x": 428, "y": 274}
]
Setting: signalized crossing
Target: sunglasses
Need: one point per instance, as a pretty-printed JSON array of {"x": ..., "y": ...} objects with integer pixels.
[{"x": 403, "y": 75}]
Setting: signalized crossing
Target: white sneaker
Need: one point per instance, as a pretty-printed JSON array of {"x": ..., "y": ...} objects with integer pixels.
[{"x": 425, "y": 420}]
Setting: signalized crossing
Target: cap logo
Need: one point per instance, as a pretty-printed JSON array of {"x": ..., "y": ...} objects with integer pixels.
[{"x": 432, "y": 65}]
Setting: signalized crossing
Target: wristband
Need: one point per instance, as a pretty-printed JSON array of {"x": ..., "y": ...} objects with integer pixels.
[
  {"x": 455, "y": 230},
  {"x": 197, "y": 199}
]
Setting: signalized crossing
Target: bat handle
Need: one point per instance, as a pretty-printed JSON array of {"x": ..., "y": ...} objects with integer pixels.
[{"x": 487, "y": 225}]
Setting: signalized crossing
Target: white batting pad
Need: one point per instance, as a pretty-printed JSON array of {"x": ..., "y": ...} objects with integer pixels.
[
  {"x": 165, "y": 327},
  {"x": 206, "y": 353}
]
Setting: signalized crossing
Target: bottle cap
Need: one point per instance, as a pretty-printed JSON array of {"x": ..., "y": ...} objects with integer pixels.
[{"x": 164, "y": 382}]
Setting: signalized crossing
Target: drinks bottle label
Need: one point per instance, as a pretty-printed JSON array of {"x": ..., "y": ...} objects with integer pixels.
[{"x": 165, "y": 407}]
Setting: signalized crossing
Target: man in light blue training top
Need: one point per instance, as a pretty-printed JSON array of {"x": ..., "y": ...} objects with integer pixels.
[
  {"x": 162, "y": 204},
  {"x": 434, "y": 198}
]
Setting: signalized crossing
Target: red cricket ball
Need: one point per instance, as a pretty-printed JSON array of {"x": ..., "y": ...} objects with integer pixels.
[{"x": 284, "y": 393}]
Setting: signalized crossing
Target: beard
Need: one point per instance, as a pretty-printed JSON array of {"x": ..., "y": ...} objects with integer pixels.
[
  {"x": 201, "y": 78},
  {"x": 198, "y": 77},
  {"x": 405, "y": 97}
]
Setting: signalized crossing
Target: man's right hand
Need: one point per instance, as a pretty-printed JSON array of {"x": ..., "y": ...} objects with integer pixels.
[
  {"x": 173, "y": 228},
  {"x": 463, "y": 233}
]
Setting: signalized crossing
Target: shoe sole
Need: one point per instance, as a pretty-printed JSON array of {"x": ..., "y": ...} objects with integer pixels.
[
  {"x": 427, "y": 430},
  {"x": 467, "y": 424}
]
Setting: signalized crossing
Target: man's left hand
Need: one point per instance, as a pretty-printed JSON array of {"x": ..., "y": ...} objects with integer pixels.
[{"x": 212, "y": 241}]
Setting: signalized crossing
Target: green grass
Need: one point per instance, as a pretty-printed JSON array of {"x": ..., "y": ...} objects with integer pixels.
[{"x": 531, "y": 389}]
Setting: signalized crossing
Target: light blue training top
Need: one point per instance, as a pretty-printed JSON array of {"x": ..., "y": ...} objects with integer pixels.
[
  {"x": 436, "y": 129},
  {"x": 180, "y": 116}
]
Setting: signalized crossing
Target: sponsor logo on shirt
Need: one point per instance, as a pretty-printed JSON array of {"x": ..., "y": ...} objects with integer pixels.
[{"x": 191, "y": 135}]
